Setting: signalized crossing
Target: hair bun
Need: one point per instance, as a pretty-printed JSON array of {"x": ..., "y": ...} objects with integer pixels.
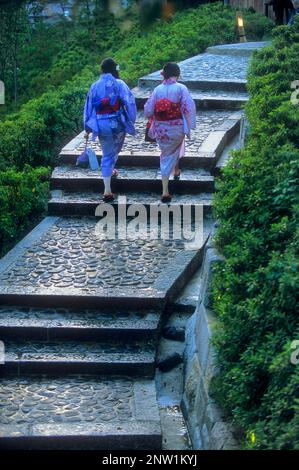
[{"x": 171, "y": 69}]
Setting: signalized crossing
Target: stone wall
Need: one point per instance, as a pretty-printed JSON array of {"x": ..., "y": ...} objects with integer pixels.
[{"x": 208, "y": 425}]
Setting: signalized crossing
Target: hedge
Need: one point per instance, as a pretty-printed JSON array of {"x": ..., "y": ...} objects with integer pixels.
[
  {"x": 23, "y": 197},
  {"x": 254, "y": 291}
]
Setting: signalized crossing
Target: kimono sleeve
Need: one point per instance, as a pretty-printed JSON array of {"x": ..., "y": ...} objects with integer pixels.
[
  {"x": 87, "y": 110},
  {"x": 128, "y": 99},
  {"x": 149, "y": 107},
  {"x": 188, "y": 108}
]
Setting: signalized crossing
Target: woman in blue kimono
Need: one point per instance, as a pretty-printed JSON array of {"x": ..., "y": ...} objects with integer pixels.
[{"x": 109, "y": 113}]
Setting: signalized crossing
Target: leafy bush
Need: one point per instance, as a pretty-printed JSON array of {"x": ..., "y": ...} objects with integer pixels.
[
  {"x": 188, "y": 33},
  {"x": 23, "y": 196},
  {"x": 34, "y": 135},
  {"x": 254, "y": 291}
]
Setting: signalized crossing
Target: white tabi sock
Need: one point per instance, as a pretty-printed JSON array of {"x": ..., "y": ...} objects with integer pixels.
[
  {"x": 165, "y": 180},
  {"x": 107, "y": 180}
]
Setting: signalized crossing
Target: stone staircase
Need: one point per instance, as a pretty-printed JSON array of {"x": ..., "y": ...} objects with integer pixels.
[
  {"x": 80, "y": 317},
  {"x": 77, "y": 191}
]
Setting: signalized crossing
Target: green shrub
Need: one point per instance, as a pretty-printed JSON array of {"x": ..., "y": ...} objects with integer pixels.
[
  {"x": 34, "y": 135},
  {"x": 254, "y": 291},
  {"x": 23, "y": 196}
]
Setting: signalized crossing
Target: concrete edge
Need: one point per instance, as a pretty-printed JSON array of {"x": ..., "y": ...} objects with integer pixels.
[{"x": 218, "y": 139}]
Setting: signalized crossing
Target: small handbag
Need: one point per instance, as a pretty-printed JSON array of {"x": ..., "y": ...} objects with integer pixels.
[
  {"x": 88, "y": 159},
  {"x": 83, "y": 160},
  {"x": 92, "y": 159},
  {"x": 147, "y": 138}
]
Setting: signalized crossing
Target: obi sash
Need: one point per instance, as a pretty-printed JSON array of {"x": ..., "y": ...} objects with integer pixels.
[
  {"x": 166, "y": 110},
  {"x": 107, "y": 105}
]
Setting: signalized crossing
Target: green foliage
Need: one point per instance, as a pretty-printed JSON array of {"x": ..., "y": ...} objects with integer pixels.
[
  {"x": 254, "y": 291},
  {"x": 187, "y": 33},
  {"x": 23, "y": 196},
  {"x": 34, "y": 135}
]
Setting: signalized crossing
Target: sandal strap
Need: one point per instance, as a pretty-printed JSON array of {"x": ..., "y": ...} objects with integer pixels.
[
  {"x": 166, "y": 198},
  {"x": 108, "y": 197}
]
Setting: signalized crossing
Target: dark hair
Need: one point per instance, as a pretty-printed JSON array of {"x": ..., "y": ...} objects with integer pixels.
[
  {"x": 171, "y": 69},
  {"x": 109, "y": 66}
]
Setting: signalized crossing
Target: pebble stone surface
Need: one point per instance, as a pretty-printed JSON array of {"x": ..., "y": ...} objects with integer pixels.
[
  {"x": 38, "y": 400},
  {"x": 131, "y": 173},
  {"x": 211, "y": 67},
  {"x": 69, "y": 255},
  {"x": 64, "y": 317},
  {"x": 144, "y": 92},
  {"x": 207, "y": 121},
  {"x": 75, "y": 351},
  {"x": 132, "y": 197}
]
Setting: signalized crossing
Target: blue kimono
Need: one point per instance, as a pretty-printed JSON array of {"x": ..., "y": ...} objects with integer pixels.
[{"x": 110, "y": 112}]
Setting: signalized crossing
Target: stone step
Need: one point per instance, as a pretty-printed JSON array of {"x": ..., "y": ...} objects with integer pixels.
[
  {"x": 209, "y": 99},
  {"x": 144, "y": 159},
  {"x": 67, "y": 261},
  {"x": 216, "y": 126},
  {"x": 93, "y": 325},
  {"x": 208, "y": 72},
  {"x": 237, "y": 49},
  {"x": 79, "y": 412},
  {"x": 70, "y": 357},
  {"x": 73, "y": 178},
  {"x": 85, "y": 203},
  {"x": 200, "y": 84}
]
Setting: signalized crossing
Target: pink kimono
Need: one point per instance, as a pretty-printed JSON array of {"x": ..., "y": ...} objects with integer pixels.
[{"x": 173, "y": 115}]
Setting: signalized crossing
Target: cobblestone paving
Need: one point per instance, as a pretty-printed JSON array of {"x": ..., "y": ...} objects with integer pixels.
[
  {"x": 51, "y": 317},
  {"x": 74, "y": 351},
  {"x": 131, "y": 198},
  {"x": 145, "y": 92},
  {"x": 66, "y": 400},
  {"x": 73, "y": 172},
  {"x": 210, "y": 67},
  {"x": 64, "y": 316},
  {"x": 207, "y": 121},
  {"x": 68, "y": 255},
  {"x": 237, "y": 49}
]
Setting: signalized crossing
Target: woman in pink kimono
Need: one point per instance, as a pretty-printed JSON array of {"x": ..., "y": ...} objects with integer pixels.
[{"x": 172, "y": 114}]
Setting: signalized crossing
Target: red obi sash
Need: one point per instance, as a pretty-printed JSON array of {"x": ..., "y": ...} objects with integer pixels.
[
  {"x": 166, "y": 110},
  {"x": 107, "y": 106}
]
